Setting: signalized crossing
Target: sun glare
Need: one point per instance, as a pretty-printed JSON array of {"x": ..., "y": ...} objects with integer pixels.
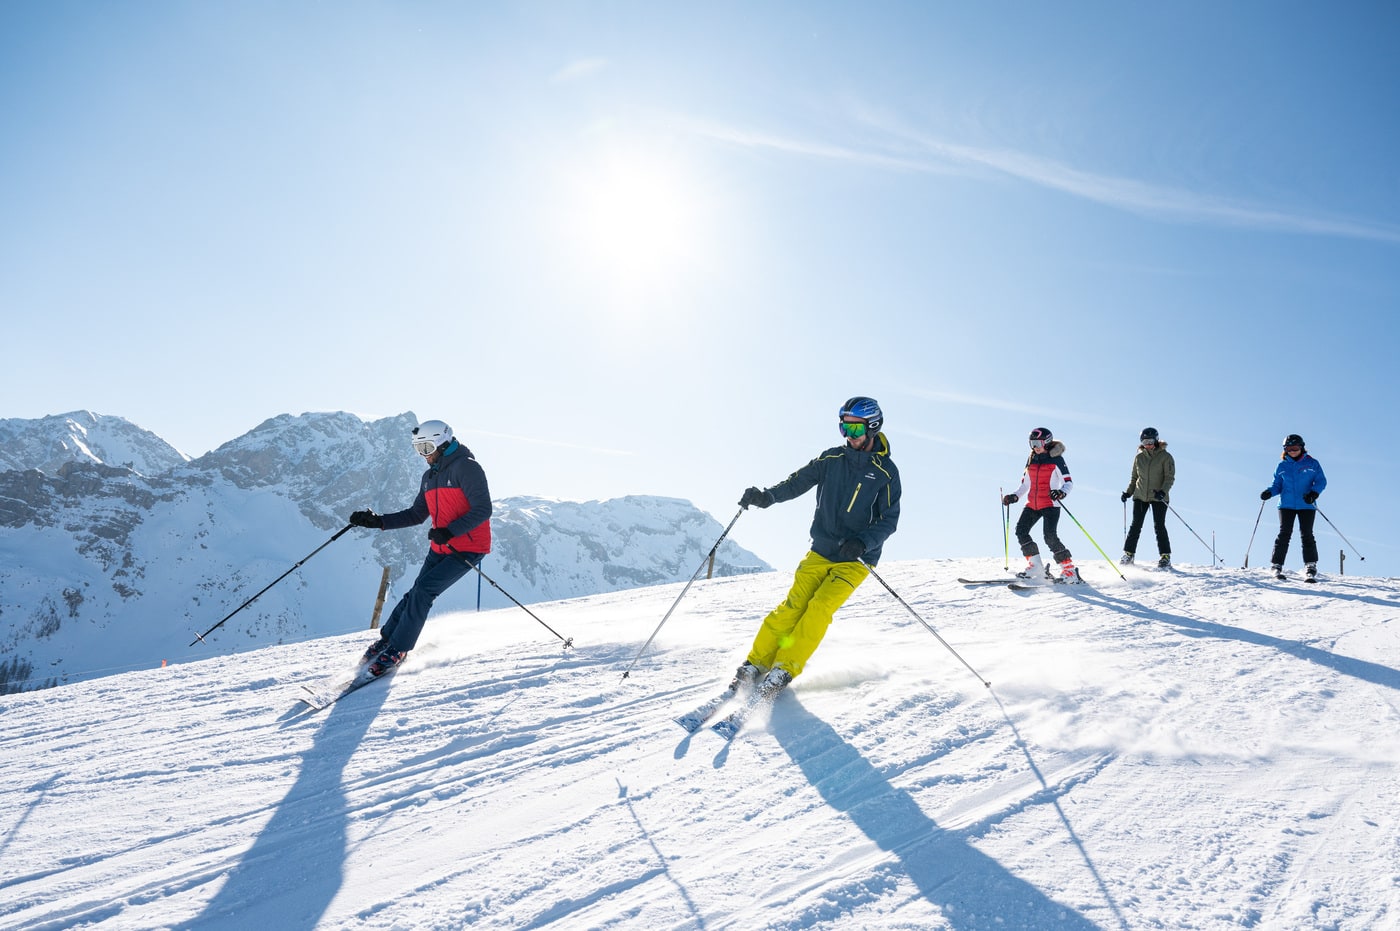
[{"x": 636, "y": 221}]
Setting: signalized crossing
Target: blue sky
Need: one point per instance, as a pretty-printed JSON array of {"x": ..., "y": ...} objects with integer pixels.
[{"x": 649, "y": 248}]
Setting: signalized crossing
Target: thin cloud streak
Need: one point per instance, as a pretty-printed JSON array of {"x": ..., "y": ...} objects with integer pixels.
[{"x": 1170, "y": 204}]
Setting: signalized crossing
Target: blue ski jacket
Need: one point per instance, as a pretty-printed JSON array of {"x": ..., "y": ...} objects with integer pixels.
[{"x": 1296, "y": 477}]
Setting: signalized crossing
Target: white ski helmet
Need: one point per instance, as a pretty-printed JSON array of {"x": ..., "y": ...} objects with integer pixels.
[{"x": 430, "y": 436}]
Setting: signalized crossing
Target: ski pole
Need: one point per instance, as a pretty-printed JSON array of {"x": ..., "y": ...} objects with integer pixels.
[
  {"x": 1194, "y": 534},
  {"x": 568, "y": 641},
  {"x": 920, "y": 619},
  {"x": 1339, "y": 533},
  {"x": 1251, "y": 535},
  {"x": 696, "y": 575},
  {"x": 199, "y": 638},
  {"x": 1091, "y": 539},
  {"x": 1005, "y": 530}
]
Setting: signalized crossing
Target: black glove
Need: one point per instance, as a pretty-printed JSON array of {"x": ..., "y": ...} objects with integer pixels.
[
  {"x": 367, "y": 519},
  {"x": 1159, "y": 495},
  {"x": 1008, "y": 500},
  {"x": 1310, "y": 497},
  {"x": 1125, "y": 496},
  {"x": 1057, "y": 495},
  {"x": 756, "y": 497},
  {"x": 440, "y": 535},
  {"x": 851, "y": 550},
  {"x": 1265, "y": 495}
]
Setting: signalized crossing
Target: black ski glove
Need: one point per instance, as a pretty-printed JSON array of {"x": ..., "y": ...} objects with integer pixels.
[
  {"x": 851, "y": 550},
  {"x": 1125, "y": 496},
  {"x": 1159, "y": 495},
  {"x": 1057, "y": 495},
  {"x": 1310, "y": 497},
  {"x": 1008, "y": 500},
  {"x": 756, "y": 497},
  {"x": 367, "y": 519},
  {"x": 1265, "y": 495},
  {"x": 440, "y": 535}
]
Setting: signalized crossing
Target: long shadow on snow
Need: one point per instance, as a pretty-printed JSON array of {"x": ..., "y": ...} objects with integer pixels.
[
  {"x": 1200, "y": 627},
  {"x": 971, "y": 889},
  {"x": 289, "y": 876}
]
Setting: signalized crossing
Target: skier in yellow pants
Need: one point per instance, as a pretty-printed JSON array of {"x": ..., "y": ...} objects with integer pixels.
[
  {"x": 857, "y": 509},
  {"x": 792, "y": 631}
]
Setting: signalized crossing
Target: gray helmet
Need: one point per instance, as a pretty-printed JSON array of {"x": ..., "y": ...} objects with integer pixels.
[{"x": 430, "y": 436}]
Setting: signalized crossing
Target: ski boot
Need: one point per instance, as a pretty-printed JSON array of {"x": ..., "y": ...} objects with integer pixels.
[
  {"x": 1035, "y": 572},
  {"x": 1164, "y": 561},
  {"x": 386, "y": 660}
]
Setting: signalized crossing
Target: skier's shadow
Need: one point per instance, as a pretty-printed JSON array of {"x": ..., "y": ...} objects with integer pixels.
[
  {"x": 293, "y": 871},
  {"x": 972, "y": 890},
  {"x": 1195, "y": 626}
]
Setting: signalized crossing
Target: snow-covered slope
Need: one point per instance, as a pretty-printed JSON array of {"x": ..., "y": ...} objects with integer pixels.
[{"x": 1196, "y": 749}]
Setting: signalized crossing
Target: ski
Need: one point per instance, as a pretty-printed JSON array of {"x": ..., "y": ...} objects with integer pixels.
[
  {"x": 982, "y": 581},
  {"x": 1022, "y": 587},
  {"x": 695, "y": 718},
  {"x": 322, "y": 698},
  {"x": 730, "y": 725}
]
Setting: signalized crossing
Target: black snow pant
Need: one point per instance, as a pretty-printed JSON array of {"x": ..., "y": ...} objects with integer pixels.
[
  {"x": 1028, "y": 520},
  {"x": 1159, "y": 523},
  {"x": 1306, "y": 517}
]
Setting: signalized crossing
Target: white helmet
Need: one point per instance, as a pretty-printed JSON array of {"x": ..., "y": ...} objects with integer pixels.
[{"x": 430, "y": 436}]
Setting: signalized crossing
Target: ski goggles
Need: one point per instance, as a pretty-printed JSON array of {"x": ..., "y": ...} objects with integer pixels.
[
  {"x": 1037, "y": 444},
  {"x": 1149, "y": 442},
  {"x": 853, "y": 430},
  {"x": 424, "y": 448}
]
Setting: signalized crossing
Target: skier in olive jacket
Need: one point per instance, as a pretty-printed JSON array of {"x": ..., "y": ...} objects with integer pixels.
[{"x": 1154, "y": 472}]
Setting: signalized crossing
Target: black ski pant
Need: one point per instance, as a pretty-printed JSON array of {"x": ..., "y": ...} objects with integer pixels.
[
  {"x": 1028, "y": 519},
  {"x": 1159, "y": 523},
  {"x": 1305, "y": 517}
]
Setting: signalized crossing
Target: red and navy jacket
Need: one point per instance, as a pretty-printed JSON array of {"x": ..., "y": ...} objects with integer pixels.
[
  {"x": 454, "y": 494},
  {"x": 1045, "y": 472}
]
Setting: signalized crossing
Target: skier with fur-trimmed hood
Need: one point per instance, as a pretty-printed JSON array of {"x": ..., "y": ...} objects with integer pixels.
[
  {"x": 1154, "y": 472},
  {"x": 1044, "y": 484}
]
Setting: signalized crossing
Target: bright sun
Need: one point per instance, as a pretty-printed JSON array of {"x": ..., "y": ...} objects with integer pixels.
[{"x": 636, "y": 220}]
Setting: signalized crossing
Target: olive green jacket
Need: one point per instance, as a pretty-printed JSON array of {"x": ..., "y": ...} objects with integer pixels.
[{"x": 1153, "y": 471}]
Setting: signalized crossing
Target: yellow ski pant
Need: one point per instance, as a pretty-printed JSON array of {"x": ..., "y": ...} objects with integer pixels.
[{"x": 792, "y": 631}]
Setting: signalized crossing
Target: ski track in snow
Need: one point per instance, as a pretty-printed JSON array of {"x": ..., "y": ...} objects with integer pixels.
[{"x": 1188, "y": 749}]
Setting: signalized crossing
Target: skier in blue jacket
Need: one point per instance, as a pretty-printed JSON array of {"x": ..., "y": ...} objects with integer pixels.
[{"x": 1298, "y": 481}]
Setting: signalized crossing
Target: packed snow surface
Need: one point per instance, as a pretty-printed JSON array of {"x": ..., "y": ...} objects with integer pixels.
[{"x": 1196, "y": 748}]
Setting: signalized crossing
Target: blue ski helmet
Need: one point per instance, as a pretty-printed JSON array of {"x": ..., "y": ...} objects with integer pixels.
[{"x": 867, "y": 409}]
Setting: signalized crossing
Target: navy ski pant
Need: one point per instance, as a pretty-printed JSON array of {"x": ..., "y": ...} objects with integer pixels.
[{"x": 439, "y": 572}]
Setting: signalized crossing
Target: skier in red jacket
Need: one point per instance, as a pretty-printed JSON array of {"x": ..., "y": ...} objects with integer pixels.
[
  {"x": 1044, "y": 483},
  {"x": 453, "y": 492}
]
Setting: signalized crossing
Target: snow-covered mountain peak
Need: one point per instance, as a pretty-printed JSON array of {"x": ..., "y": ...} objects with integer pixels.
[{"x": 47, "y": 443}]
